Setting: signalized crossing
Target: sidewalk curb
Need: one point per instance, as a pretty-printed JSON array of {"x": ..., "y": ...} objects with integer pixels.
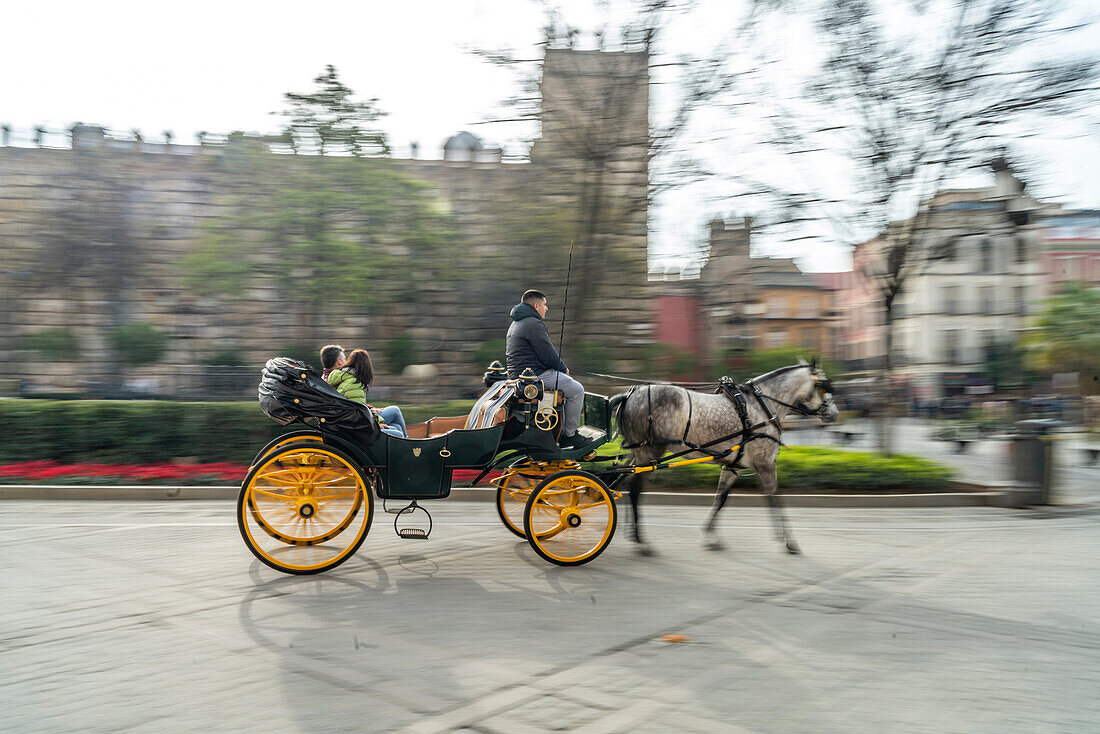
[{"x": 488, "y": 494}]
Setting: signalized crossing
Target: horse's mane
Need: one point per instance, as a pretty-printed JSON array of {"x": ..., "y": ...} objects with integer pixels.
[{"x": 779, "y": 371}]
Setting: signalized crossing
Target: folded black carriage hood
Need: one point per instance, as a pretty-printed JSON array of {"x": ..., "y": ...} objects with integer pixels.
[{"x": 293, "y": 391}]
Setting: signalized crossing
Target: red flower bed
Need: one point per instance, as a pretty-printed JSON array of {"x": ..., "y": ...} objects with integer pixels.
[
  {"x": 43, "y": 471},
  {"x": 52, "y": 471}
]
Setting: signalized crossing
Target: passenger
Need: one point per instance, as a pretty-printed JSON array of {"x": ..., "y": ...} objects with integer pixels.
[
  {"x": 353, "y": 378},
  {"x": 529, "y": 345},
  {"x": 332, "y": 358}
]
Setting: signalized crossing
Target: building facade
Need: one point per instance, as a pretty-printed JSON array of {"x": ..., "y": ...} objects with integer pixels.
[
  {"x": 792, "y": 308},
  {"x": 739, "y": 303},
  {"x": 1069, "y": 250},
  {"x": 975, "y": 291}
]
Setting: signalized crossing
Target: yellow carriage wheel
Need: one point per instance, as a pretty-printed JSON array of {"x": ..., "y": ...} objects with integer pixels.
[
  {"x": 305, "y": 508},
  {"x": 514, "y": 487},
  {"x": 570, "y": 518},
  {"x": 278, "y": 443}
]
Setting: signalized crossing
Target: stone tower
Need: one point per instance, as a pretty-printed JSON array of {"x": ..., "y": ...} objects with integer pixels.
[
  {"x": 594, "y": 150},
  {"x": 727, "y": 293}
]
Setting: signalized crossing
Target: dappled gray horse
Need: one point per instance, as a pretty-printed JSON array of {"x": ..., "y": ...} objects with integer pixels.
[{"x": 655, "y": 419}]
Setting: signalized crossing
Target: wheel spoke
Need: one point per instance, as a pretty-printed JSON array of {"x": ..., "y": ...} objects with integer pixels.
[
  {"x": 274, "y": 495},
  {"x": 326, "y": 497},
  {"x": 279, "y": 480}
]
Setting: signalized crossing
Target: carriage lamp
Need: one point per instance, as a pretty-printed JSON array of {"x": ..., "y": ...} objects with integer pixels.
[
  {"x": 495, "y": 373},
  {"x": 529, "y": 386}
]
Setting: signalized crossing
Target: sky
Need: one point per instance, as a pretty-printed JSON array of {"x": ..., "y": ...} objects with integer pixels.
[{"x": 224, "y": 66}]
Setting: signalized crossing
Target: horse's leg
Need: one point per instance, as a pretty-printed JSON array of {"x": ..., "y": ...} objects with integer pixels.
[
  {"x": 637, "y": 484},
  {"x": 770, "y": 483},
  {"x": 725, "y": 484}
]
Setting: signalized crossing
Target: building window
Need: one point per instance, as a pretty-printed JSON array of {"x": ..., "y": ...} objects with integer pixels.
[
  {"x": 987, "y": 255},
  {"x": 950, "y": 347},
  {"x": 1021, "y": 249},
  {"x": 951, "y": 304},
  {"x": 807, "y": 307},
  {"x": 1067, "y": 267},
  {"x": 989, "y": 299},
  {"x": 777, "y": 307},
  {"x": 1021, "y": 299}
]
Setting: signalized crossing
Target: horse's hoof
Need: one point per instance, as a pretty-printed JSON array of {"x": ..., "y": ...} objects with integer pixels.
[
  {"x": 644, "y": 550},
  {"x": 713, "y": 545},
  {"x": 793, "y": 549}
]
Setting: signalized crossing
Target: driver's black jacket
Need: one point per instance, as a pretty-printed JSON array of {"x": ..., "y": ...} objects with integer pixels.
[{"x": 529, "y": 343}]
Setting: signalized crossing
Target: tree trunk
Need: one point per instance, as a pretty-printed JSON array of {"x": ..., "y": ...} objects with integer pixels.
[
  {"x": 586, "y": 266},
  {"x": 886, "y": 404}
]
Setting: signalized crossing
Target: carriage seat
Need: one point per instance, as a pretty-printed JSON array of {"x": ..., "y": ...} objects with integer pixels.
[{"x": 489, "y": 410}]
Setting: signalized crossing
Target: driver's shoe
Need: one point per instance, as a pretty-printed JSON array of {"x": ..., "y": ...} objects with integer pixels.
[{"x": 572, "y": 442}]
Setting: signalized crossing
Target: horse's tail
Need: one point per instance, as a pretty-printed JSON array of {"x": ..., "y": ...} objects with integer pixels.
[{"x": 616, "y": 404}]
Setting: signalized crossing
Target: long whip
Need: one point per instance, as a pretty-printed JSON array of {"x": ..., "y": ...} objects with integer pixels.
[{"x": 564, "y": 306}]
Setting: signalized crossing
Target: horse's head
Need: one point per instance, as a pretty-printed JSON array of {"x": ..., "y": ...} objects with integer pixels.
[{"x": 818, "y": 392}]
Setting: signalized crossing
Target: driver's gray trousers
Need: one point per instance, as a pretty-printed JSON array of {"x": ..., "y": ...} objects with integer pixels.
[{"x": 572, "y": 391}]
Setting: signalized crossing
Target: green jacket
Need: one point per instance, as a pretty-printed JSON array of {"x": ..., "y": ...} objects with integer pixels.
[{"x": 346, "y": 384}]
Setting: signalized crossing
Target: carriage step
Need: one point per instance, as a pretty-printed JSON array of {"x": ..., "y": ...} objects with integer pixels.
[
  {"x": 412, "y": 533},
  {"x": 399, "y": 510}
]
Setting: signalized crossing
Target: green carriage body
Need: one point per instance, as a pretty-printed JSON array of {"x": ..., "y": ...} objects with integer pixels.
[
  {"x": 307, "y": 502},
  {"x": 422, "y": 468}
]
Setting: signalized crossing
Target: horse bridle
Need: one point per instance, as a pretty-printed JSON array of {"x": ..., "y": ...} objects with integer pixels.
[{"x": 823, "y": 386}]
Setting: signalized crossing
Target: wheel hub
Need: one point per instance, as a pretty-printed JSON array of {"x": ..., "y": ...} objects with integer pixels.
[
  {"x": 573, "y": 520},
  {"x": 307, "y": 510}
]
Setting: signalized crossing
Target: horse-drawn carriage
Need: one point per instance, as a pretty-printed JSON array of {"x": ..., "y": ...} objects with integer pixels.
[{"x": 308, "y": 500}]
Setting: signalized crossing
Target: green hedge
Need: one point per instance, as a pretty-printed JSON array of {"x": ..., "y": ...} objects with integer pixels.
[
  {"x": 132, "y": 431},
  {"x": 140, "y": 432},
  {"x": 821, "y": 469}
]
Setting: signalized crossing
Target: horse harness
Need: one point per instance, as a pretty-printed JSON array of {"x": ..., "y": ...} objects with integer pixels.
[{"x": 736, "y": 393}]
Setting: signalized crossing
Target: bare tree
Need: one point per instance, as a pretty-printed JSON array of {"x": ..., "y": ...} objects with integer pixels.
[
  {"x": 903, "y": 99},
  {"x": 587, "y": 102}
]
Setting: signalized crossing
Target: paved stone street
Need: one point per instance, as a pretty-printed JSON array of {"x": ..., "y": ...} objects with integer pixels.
[{"x": 154, "y": 617}]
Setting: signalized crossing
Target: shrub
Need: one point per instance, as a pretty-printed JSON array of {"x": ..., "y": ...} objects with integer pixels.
[
  {"x": 132, "y": 431},
  {"x": 488, "y": 352},
  {"x": 589, "y": 356},
  {"x": 819, "y": 469},
  {"x": 399, "y": 352},
  {"x": 668, "y": 361},
  {"x": 139, "y": 343},
  {"x": 147, "y": 432},
  {"x": 766, "y": 360},
  {"x": 303, "y": 352},
  {"x": 57, "y": 344},
  {"x": 226, "y": 358}
]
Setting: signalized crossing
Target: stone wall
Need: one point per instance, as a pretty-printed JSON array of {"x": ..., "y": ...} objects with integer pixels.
[{"x": 95, "y": 237}]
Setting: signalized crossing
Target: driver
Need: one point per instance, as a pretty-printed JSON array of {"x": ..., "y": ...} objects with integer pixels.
[{"x": 529, "y": 345}]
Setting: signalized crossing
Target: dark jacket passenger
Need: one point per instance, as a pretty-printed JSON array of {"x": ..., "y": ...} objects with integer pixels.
[{"x": 529, "y": 343}]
